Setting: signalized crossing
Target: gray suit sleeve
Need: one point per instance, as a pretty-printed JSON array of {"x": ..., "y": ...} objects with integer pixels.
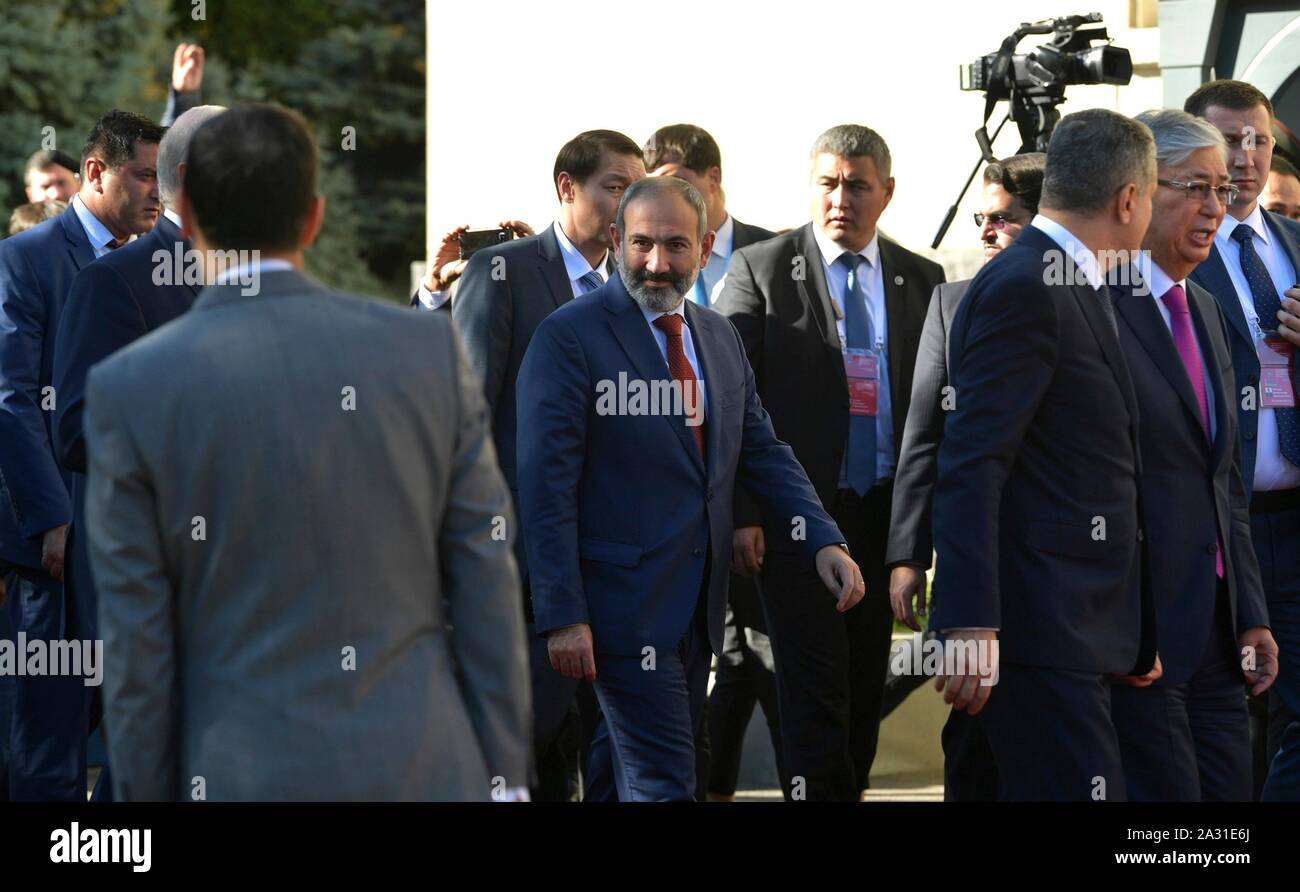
[
  {"x": 136, "y": 605},
  {"x": 481, "y": 586},
  {"x": 910, "y": 539},
  {"x": 745, "y": 307},
  {"x": 483, "y": 310}
]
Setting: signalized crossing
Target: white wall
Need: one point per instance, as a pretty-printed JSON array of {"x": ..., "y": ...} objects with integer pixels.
[{"x": 764, "y": 77}]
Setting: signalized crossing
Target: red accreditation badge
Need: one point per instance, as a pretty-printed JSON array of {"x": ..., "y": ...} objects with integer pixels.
[
  {"x": 1276, "y": 373},
  {"x": 864, "y": 380}
]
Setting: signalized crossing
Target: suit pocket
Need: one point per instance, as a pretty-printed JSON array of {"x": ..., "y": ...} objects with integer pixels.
[{"x": 617, "y": 553}]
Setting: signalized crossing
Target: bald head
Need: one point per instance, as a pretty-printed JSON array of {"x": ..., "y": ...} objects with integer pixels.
[{"x": 175, "y": 146}]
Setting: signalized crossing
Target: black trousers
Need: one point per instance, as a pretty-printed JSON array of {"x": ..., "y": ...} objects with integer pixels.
[
  {"x": 830, "y": 666},
  {"x": 746, "y": 675}
]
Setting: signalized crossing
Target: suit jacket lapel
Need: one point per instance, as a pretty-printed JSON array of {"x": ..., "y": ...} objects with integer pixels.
[
  {"x": 895, "y": 311},
  {"x": 638, "y": 342},
  {"x": 78, "y": 242},
  {"x": 1217, "y": 281},
  {"x": 705, "y": 338},
  {"x": 1096, "y": 317},
  {"x": 553, "y": 269},
  {"x": 815, "y": 292},
  {"x": 167, "y": 235},
  {"x": 1203, "y": 314},
  {"x": 1143, "y": 318}
]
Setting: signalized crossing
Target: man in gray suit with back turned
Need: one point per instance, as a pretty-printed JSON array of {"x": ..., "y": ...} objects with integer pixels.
[{"x": 304, "y": 593}]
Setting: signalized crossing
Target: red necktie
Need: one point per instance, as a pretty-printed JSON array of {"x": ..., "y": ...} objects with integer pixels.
[
  {"x": 1180, "y": 326},
  {"x": 680, "y": 367}
]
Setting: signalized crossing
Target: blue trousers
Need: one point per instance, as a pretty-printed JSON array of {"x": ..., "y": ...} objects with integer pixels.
[
  {"x": 643, "y": 749},
  {"x": 47, "y": 753}
]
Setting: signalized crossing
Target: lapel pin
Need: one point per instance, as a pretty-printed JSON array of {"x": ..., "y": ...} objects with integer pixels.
[{"x": 898, "y": 280}]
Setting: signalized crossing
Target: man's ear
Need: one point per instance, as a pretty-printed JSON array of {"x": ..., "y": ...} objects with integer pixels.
[
  {"x": 315, "y": 217},
  {"x": 616, "y": 240},
  {"x": 564, "y": 183},
  {"x": 889, "y": 192},
  {"x": 714, "y": 175},
  {"x": 187, "y": 215},
  {"x": 706, "y": 248},
  {"x": 93, "y": 173},
  {"x": 1126, "y": 202}
]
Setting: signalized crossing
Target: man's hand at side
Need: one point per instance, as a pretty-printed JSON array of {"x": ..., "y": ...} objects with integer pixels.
[
  {"x": 571, "y": 651},
  {"x": 906, "y": 583},
  {"x": 841, "y": 576},
  {"x": 52, "y": 545},
  {"x": 970, "y": 690},
  {"x": 747, "y": 550}
]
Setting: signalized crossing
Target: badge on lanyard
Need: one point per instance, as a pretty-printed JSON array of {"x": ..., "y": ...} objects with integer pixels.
[
  {"x": 862, "y": 372},
  {"x": 1276, "y": 373}
]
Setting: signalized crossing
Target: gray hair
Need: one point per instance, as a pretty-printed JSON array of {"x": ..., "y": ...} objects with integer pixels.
[
  {"x": 1179, "y": 134},
  {"x": 1094, "y": 153},
  {"x": 854, "y": 141},
  {"x": 657, "y": 187},
  {"x": 175, "y": 146}
]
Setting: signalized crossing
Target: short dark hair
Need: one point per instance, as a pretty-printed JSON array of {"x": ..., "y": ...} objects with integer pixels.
[
  {"x": 655, "y": 187},
  {"x": 1284, "y": 167},
  {"x": 684, "y": 144},
  {"x": 44, "y": 158},
  {"x": 250, "y": 177},
  {"x": 1021, "y": 176},
  {"x": 113, "y": 138},
  {"x": 1092, "y": 154},
  {"x": 580, "y": 157},
  {"x": 1236, "y": 95}
]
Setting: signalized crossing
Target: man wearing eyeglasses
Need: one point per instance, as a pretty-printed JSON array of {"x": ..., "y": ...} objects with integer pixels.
[
  {"x": 1253, "y": 265},
  {"x": 1187, "y": 736},
  {"x": 1009, "y": 202}
]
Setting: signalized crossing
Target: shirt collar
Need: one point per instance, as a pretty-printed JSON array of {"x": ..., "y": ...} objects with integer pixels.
[
  {"x": 575, "y": 265},
  {"x": 651, "y": 315},
  {"x": 96, "y": 231},
  {"x": 173, "y": 216},
  {"x": 1156, "y": 278},
  {"x": 723, "y": 238},
  {"x": 1078, "y": 251},
  {"x": 1255, "y": 221},
  {"x": 248, "y": 270},
  {"x": 831, "y": 251}
]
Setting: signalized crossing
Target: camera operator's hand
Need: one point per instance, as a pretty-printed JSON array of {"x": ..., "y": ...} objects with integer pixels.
[
  {"x": 446, "y": 266},
  {"x": 518, "y": 227}
]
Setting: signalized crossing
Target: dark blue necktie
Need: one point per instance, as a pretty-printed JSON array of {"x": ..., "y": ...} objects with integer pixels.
[
  {"x": 1267, "y": 302},
  {"x": 860, "y": 459},
  {"x": 591, "y": 281}
]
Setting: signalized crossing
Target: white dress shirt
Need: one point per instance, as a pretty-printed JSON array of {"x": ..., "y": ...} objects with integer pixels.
[
  {"x": 1272, "y": 470},
  {"x": 173, "y": 216},
  {"x": 96, "y": 231},
  {"x": 235, "y": 273},
  {"x": 716, "y": 269},
  {"x": 873, "y": 285},
  {"x": 1082, "y": 255},
  {"x": 575, "y": 265},
  {"x": 688, "y": 346}
]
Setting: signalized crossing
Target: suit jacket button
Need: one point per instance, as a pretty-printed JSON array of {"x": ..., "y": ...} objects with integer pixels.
[
  {"x": 1211, "y": 549},
  {"x": 1141, "y": 536},
  {"x": 699, "y": 552},
  {"x": 708, "y": 494},
  {"x": 1249, "y": 435}
]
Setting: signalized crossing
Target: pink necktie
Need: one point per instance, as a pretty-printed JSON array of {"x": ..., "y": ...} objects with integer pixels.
[{"x": 1180, "y": 325}]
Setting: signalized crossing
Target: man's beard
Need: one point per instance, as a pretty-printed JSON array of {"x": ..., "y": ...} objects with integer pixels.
[{"x": 661, "y": 300}]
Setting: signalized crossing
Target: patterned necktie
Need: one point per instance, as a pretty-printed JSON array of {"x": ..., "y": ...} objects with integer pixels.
[
  {"x": 1180, "y": 326},
  {"x": 590, "y": 281},
  {"x": 1267, "y": 302},
  {"x": 860, "y": 457},
  {"x": 115, "y": 243},
  {"x": 680, "y": 367}
]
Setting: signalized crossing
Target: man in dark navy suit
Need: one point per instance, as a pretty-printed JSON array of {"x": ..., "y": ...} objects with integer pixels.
[
  {"x": 1012, "y": 188},
  {"x": 112, "y": 302},
  {"x": 627, "y": 499},
  {"x": 1254, "y": 264},
  {"x": 1187, "y": 737},
  {"x": 503, "y": 295},
  {"x": 118, "y": 199},
  {"x": 1037, "y": 518}
]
